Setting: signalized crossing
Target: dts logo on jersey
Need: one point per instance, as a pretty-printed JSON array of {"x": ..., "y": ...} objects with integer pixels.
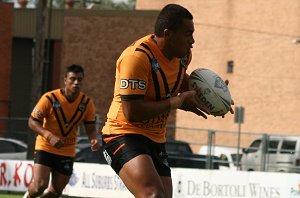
[{"x": 132, "y": 84}]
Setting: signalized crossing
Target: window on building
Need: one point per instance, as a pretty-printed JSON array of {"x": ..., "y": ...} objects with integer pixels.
[{"x": 230, "y": 65}]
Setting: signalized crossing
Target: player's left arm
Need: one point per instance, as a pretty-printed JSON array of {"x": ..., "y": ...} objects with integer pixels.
[
  {"x": 90, "y": 126},
  {"x": 92, "y": 134}
]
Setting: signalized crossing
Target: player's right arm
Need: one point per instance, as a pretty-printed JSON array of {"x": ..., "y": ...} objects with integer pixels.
[
  {"x": 37, "y": 127},
  {"x": 135, "y": 107},
  {"x": 138, "y": 110},
  {"x": 35, "y": 122},
  {"x": 190, "y": 103}
]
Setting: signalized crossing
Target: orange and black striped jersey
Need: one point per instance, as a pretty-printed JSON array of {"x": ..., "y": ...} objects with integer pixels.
[
  {"x": 62, "y": 118},
  {"x": 143, "y": 72}
]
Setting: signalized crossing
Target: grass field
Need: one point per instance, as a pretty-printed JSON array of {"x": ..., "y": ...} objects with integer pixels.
[
  {"x": 18, "y": 195},
  {"x": 6, "y": 195}
]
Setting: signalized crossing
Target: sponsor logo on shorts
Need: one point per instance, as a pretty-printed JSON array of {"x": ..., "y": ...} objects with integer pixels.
[
  {"x": 107, "y": 157},
  {"x": 164, "y": 158},
  {"x": 67, "y": 165}
]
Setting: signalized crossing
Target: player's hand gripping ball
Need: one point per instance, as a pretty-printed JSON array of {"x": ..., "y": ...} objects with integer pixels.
[{"x": 214, "y": 92}]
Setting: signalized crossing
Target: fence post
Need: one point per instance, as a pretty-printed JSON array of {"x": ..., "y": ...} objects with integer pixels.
[
  {"x": 210, "y": 138},
  {"x": 264, "y": 152},
  {"x": 239, "y": 119}
]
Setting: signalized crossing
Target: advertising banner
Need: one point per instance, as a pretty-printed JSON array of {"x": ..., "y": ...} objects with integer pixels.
[
  {"x": 15, "y": 175},
  {"x": 95, "y": 180},
  {"x": 98, "y": 180},
  {"x": 190, "y": 183}
]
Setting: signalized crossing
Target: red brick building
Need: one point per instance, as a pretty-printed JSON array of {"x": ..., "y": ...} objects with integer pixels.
[{"x": 6, "y": 26}]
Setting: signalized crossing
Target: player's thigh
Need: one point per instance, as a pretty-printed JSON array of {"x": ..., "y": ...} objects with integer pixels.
[
  {"x": 58, "y": 181},
  {"x": 42, "y": 168},
  {"x": 139, "y": 174},
  {"x": 167, "y": 183},
  {"x": 41, "y": 174},
  {"x": 62, "y": 170}
]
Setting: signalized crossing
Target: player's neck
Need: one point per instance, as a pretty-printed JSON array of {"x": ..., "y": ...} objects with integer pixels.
[
  {"x": 161, "y": 44},
  {"x": 71, "y": 96}
]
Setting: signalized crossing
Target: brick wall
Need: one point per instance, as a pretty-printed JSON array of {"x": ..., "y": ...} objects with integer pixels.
[{"x": 98, "y": 51}]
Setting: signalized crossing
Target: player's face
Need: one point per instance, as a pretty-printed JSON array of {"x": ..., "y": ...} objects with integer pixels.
[
  {"x": 73, "y": 82},
  {"x": 182, "y": 40}
]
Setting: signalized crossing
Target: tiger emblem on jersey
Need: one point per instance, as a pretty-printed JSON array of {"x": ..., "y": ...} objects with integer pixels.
[
  {"x": 56, "y": 105},
  {"x": 82, "y": 107},
  {"x": 154, "y": 65}
]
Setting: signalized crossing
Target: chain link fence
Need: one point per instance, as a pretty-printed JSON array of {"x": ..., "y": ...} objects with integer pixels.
[{"x": 248, "y": 151}]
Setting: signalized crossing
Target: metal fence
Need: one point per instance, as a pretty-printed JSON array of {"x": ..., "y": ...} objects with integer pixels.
[{"x": 249, "y": 151}]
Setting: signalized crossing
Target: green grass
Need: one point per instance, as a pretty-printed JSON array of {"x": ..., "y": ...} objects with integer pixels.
[
  {"x": 17, "y": 195},
  {"x": 10, "y": 195}
]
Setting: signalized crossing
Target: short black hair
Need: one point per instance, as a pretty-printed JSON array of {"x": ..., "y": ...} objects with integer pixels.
[
  {"x": 75, "y": 69},
  {"x": 171, "y": 17}
]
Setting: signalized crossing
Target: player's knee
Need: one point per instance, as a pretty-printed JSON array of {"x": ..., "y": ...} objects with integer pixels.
[
  {"x": 38, "y": 188},
  {"x": 155, "y": 192}
]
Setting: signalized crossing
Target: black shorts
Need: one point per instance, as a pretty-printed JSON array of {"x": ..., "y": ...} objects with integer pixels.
[
  {"x": 61, "y": 164},
  {"x": 120, "y": 150}
]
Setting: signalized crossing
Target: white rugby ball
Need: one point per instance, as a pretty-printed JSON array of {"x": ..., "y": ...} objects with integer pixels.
[{"x": 214, "y": 92}]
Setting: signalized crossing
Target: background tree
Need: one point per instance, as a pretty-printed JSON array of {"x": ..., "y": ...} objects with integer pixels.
[{"x": 98, "y": 4}]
